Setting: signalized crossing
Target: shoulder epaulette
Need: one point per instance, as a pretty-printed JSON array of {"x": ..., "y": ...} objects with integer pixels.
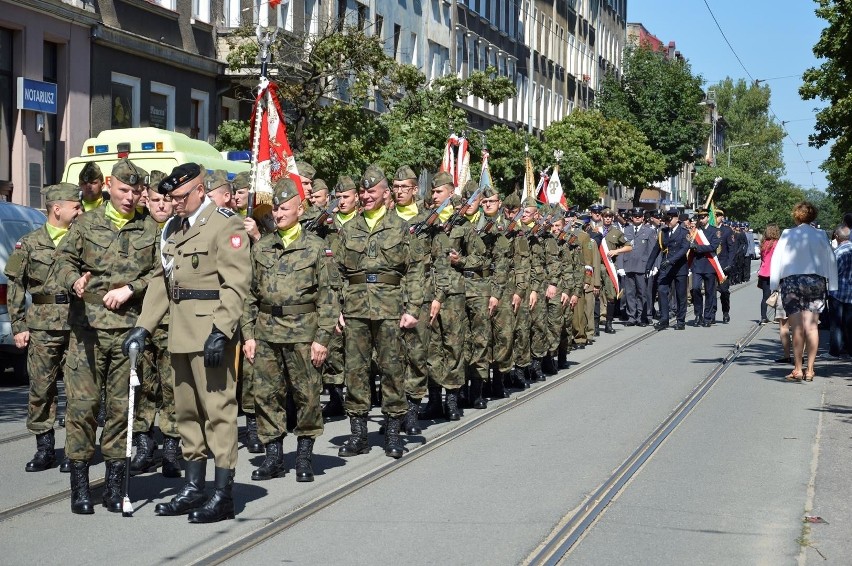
[{"x": 226, "y": 212}]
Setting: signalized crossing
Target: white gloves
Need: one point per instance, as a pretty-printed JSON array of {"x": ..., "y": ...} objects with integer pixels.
[{"x": 621, "y": 272}]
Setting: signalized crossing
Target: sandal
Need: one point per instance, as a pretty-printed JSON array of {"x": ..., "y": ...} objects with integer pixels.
[
  {"x": 809, "y": 375},
  {"x": 793, "y": 376}
]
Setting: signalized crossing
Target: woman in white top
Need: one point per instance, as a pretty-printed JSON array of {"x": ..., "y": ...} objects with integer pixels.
[{"x": 804, "y": 269}]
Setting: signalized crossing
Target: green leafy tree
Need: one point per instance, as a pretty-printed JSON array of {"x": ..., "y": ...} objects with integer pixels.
[
  {"x": 233, "y": 135},
  {"x": 830, "y": 82},
  {"x": 662, "y": 98},
  {"x": 507, "y": 151},
  {"x": 829, "y": 215}
]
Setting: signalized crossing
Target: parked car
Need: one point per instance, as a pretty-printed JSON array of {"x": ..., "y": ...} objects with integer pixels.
[{"x": 15, "y": 221}]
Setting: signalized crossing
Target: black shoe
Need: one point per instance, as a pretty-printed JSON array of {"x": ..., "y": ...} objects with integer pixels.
[
  {"x": 393, "y": 443},
  {"x": 434, "y": 409},
  {"x": 536, "y": 373},
  {"x": 273, "y": 465},
  {"x": 630, "y": 323},
  {"x": 726, "y": 318},
  {"x": 662, "y": 325},
  {"x": 114, "y": 481},
  {"x": 334, "y": 407},
  {"x": 357, "y": 442},
  {"x": 562, "y": 359},
  {"x": 304, "y": 457},
  {"x": 171, "y": 455},
  {"x": 65, "y": 466},
  {"x": 642, "y": 323},
  {"x": 81, "y": 496},
  {"x": 191, "y": 495},
  {"x": 411, "y": 424},
  {"x": 517, "y": 379},
  {"x": 608, "y": 328},
  {"x": 764, "y": 321},
  {"x": 548, "y": 365},
  {"x": 220, "y": 506},
  {"x": 498, "y": 387},
  {"x": 45, "y": 456},
  {"x": 253, "y": 443},
  {"x": 580, "y": 346},
  {"x": 706, "y": 323},
  {"x": 696, "y": 323},
  {"x": 143, "y": 461},
  {"x": 477, "y": 399},
  {"x": 451, "y": 405},
  {"x": 680, "y": 326}
]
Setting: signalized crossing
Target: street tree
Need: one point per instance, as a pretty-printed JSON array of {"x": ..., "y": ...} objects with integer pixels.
[{"x": 507, "y": 149}]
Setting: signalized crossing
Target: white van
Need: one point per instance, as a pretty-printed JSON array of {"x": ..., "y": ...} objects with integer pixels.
[{"x": 151, "y": 149}]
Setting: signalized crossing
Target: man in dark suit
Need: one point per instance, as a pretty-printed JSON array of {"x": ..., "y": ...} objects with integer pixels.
[
  {"x": 703, "y": 271},
  {"x": 726, "y": 260},
  {"x": 672, "y": 243},
  {"x": 632, "y": 266}
]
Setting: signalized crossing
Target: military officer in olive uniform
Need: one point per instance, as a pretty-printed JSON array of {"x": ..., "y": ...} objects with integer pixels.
[
  {"x": 43, "y": 328},
  {"x": 105, "y": 261},
  {"x": 374, "y": 256},
  {"x": 288, "y": 322},
  {"x": 617, "y": 244},
  {"x": 202, "y": 279},
  {"x": 92, "y": 192}
]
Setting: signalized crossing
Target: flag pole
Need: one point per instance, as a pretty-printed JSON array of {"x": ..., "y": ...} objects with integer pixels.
[{"x": 265, "y": 39}]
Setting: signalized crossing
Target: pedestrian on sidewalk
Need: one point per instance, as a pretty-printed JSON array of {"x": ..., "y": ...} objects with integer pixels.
[
  {"x": 804, "y": 269},
  {"x": 840, "y": 301},
  {"x": 767, "y": 245}
]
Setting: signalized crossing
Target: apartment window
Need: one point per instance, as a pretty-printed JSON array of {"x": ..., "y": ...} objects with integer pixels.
[
  {"x": 341, "y": 14},
  {"x": 170, "y": 4},
  {"x": 161, "y": 113},
  {"x": 397, "y": 30},
  {"x": 198, "y": 127},
  {"x": 125, "y": 101},
  {"x": 201, "y": 10},
  {"x": 414, "y": 53},
  {"x": 311, "y": 17},
  {"x": 362, "y": 16},
  {"x": 380, "y": 23},
  {"x": 51, "y": 133},
  {"x": 461, "y": 56},
  {"x": 231, "y": 13},
  {"x": 230, "y": 108}
]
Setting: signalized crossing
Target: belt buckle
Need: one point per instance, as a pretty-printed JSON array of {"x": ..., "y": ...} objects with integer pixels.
[
  {"x": 61, "y": 299},
  {"x": 176, "y": 294},
  {"x": 372, "y": 278},
  {"x": 277, "y": 310},
  {"x": 467, "y": 274}
]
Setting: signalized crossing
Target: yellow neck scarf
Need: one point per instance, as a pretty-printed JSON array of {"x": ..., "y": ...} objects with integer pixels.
[
  {"x": 243, "y": 212},
  {"x": 408, "y": 211},
  {"x": 372, "y": 217},
  {"x": 118, "y": 219},
  {"x": 530, "y": 224},
  {"x": 87, "y": 206},
  {"x": 473, "y": 218},
  {"x": 56, "y": 233},
  {"x": 343, "y": 218},
  {"x": 289, "y": 235},
  {"x": 445, "y": 214}
]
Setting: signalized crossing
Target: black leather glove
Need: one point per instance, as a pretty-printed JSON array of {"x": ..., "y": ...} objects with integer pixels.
[
  {"x": 214, "y": 349},
  {"x": 137, "y": 336}
]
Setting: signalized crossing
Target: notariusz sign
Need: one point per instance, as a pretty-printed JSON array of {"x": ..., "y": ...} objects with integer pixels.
[{"x": 38, "y": 96}]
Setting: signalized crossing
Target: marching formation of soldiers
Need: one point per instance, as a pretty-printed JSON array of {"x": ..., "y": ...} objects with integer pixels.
[{"x": 360, "y": 288}]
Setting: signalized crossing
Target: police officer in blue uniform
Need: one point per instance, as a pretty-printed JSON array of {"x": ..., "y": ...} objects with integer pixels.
[
  {"x": 726, "y": 260},
  {"x": 632, "y": 266},
  {"x": 672, "y": 245}
]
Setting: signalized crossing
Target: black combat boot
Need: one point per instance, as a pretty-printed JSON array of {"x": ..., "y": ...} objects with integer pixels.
[
  {"x": 114, "y": 482},
  {"x": 143, "y": 461},
  {"x": 597, "y": 328},
  {"x": 393, "y": 443},
  {"x": 357, "y": 442},
  {"x": 81, "y": 497},
  {"x": 477, "y": 398},
  {"x": 334, "y": 407},
  {"x": 433, "y": 409},
  {"x": 304, "y": 457},
  {"x": 273, "y": 465},
  {"x": 45, "y": 456},
  {"x": 451, "y": 405},
  {"x": 610, "y": 313},
  {"x": 518, "y": 378},
  {"x": 411, "y": 424},
  {"x": 498, "y": 388},
  {"x": 220, "y": 506},
  {"x": 65, "y": 465},
  {"x": 548, "y": 366},
  {"x": 253, "y": 443},
  {"x": 191, "y": 495},
  {"x": 535, "y": 372},
  {"x": 562, "y": 358},
  {"x": 171, "y": 454}
]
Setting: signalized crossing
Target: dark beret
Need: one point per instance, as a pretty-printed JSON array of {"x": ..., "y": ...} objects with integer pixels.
[{"x": 180, "y": 175}]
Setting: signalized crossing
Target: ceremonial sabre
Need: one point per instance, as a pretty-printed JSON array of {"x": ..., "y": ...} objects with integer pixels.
[{"x": 126, "y": 505}]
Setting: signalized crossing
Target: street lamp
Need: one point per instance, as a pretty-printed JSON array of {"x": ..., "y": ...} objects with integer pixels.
[{"x": 730, "y": 147}]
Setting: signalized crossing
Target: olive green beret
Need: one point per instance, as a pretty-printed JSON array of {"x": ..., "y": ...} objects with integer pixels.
[
  {"x": 305, "y": 169},
  {"x": 154, "y": 178},
  {"x": 372, "y": 176},
  {"x": 284, "y": 190},
  {"x": 216, "y": 179},
  {"x": 469, "y": 188},
  {"x": 530, "y": 201},
  {"x": 241, "y": 181},
  {"x": 512, "y": 201},
  {"x": 404, "y": 173},
  {"x": 442, "y": 178},
  {"x": 344, "y": 184},
  {"x": 90, "y": 172},
  {"x": 61, "y": 191},
  {"x": 319, "y": 185},
  {"x": 125, "y": 171}
]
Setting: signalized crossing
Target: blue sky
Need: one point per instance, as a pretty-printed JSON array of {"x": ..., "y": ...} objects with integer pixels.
[{"x": 772, "y": 38}]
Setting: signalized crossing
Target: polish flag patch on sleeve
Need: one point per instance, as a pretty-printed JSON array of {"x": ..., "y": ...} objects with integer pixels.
[
  {"x": 236, "y": 241},
  {"x": 18, "y": 245},
  {"x": 328, "y": 252}
]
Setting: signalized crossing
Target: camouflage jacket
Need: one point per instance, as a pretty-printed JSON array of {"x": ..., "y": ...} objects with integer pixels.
[
  {"x": 28, "y": 270},
  {"x": 375, "y": 266},
  {"x": 545, "y": 263},
  {"x": 498, "y": 250},
  {"x": 451, "y": 279},
  {"x": 420, "y": 251},
  {"x": 114, "y": 258},
  {"x": 296, "y": 277},
  {"x": 572, "y": 266},
  {"x": 518, "y": 280}
]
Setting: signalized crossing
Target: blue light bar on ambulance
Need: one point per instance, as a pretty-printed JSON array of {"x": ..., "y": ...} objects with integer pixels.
[
  {"x": 239, "y": 156},
  {"x": 101, "y": 149},
  {"x": 147, "y": 146}
]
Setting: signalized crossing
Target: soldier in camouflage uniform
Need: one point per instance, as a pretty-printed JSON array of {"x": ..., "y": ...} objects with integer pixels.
[
  {"x": 156, "y": 395},
  {"x": 415, "y": 340},
  {"x": 571, "y": 285},
  {"x": 617, "y": 244},
  {"x": 307, "y": 173},
  {"x": 521, "y": 266},
  {"x": 43, "y": 329},
  {"x": 287, "y": 324},
  {"x": 588, "y": 255},
  {"x": 92, "y": 192},
  {"x": 105, "y": 261},
  {"x": 375, "y": 259},
  {"x": 544, "y": 268},
  {"x": 217, "y": 187},
  {"x": 554, "y": 308}
]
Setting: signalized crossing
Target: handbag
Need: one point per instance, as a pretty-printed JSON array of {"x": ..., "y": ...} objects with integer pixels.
[{"x": 772, "y": 301}]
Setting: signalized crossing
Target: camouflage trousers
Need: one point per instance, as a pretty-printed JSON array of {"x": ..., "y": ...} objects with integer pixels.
[
  {"x": 44, "y": 358},
  {"x": 502, "y": 331},
  {"x": 540, "y": 334},
  {"x": 566, "y": 331},
  {"x": 361, "y": 336},
  {"x": 478, "y": 338},
  {"x": 280, "y": 369},
  {"x": 332, "y": 369},
  {"x": 245, "y": 381},
  {"x": 415, "y": 342},
  {"x": 157, "y": 392},
  {"x": 95, "y": 361},
  {"x": 446, "y": 344},
  {"x": 521, "y": 338},
  {"x": 555, "y": 316},
  {"x": 579, "y": 323}
]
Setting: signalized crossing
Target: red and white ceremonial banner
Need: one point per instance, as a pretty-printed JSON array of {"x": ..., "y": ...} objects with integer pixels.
[
  {"x": 456, "y": 161},
  {"x": 274, "y": 158},
  {"x": 610, "y": 266},
  {"x": 714, "y": 261},
  {"x": 555, "y": 195},
  {"x": 541, "y": 188}
]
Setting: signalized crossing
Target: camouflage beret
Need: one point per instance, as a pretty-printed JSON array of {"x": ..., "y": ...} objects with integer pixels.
[
  {"x": 284, "y": 190},
  {"x": 344, "y": 184},
  {"x": 557, "y": 215},
  {"x": 512, "y": 201},
  {"x": 61, "y": 191},
  {"x": 154, "y": 178},
  {"x": 488, "y": 192},
  {"x": 125, "y": 171},
  {"x": 469, "y": 188},
  {"x": 90, "y": 172},
  {"x": 305, "y": 169},
  {"x": 530, "y": 201},
  {"x": 216, "y": 179},
  {"x": 242, "y": 180},
  {"x": 180, "y": 175},
  {"x": 372, "y": 177},
  {"x": 404, "y": 173},
  {"x": 441, "y": 178},
  {"x": 319, "y": 185}
]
